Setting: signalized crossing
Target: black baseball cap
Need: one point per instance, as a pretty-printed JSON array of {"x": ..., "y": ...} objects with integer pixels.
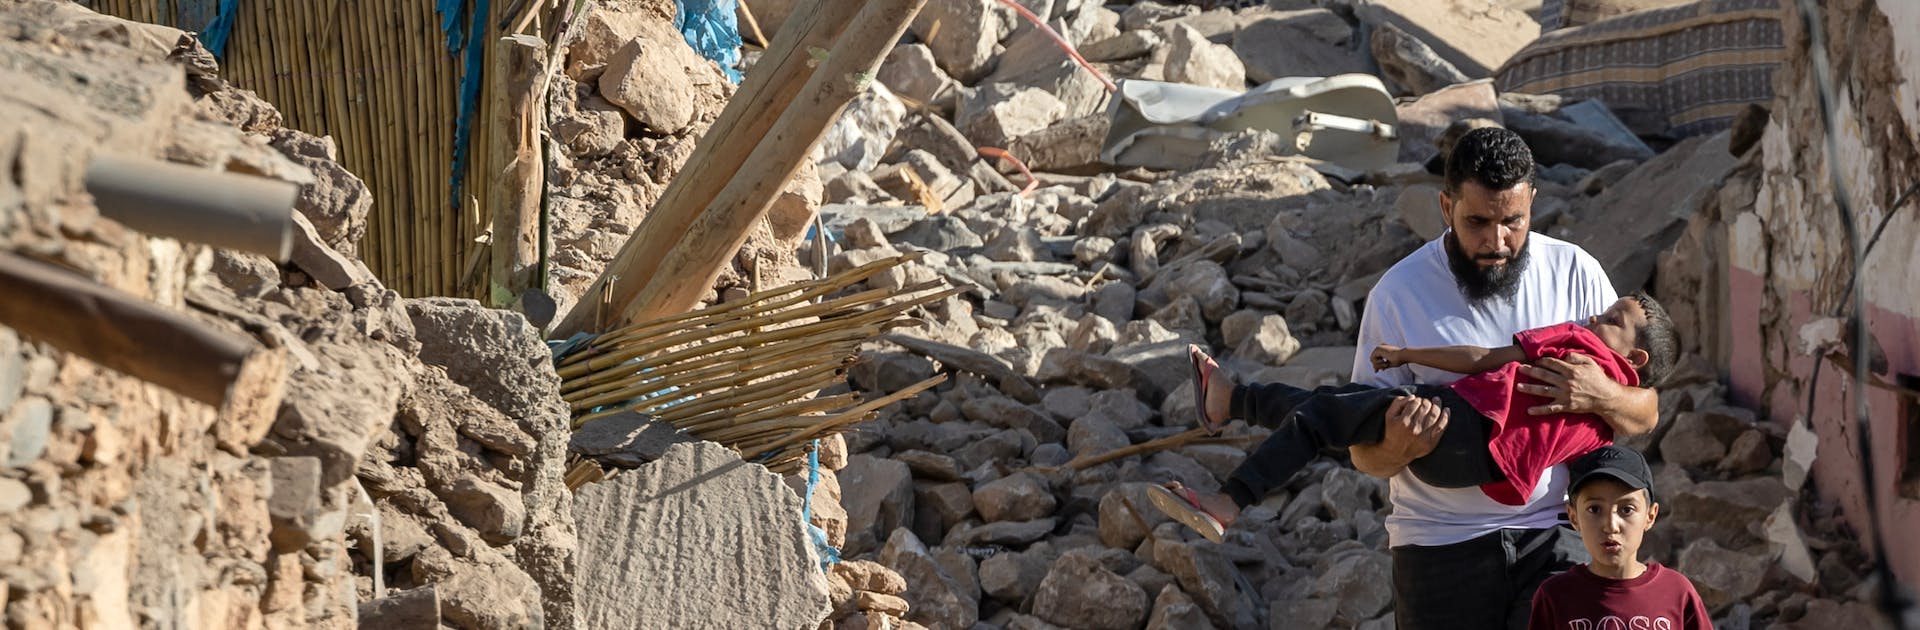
[{"x": 1615, "y": 462}]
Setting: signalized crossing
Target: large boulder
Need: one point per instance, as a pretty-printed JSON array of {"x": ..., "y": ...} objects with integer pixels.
[
  {"x": 878, "y": 496},
  {"x": 683, "y": 526},
  {"x": 1080, "y": 592},
  {"x": 660, "y": 81},
  {"x": 1191, "y": 58}
]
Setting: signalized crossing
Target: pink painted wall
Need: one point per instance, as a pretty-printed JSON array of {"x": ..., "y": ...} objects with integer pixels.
[{"x": 1836, "y": 471}]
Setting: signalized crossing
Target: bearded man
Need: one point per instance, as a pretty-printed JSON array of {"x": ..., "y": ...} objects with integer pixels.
[{"x": 1460, "y": 559}]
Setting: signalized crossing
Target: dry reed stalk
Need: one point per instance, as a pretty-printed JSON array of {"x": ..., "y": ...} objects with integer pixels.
[
  {"x": 723, "y": 312},
  {"x": 696, "y": 388},
  {"x": 755, "y": 419},
  {"x": 392, "y": 155},
  {"x": 304, "y": 75},
  {"x": 760, "y": 317},
  {"x": 823, "y": 346},
  {"x": 754, "y": 25},
  {"x": 822, "y": 310},
  {"x": 702, "y": 379},
  {"x": 850, "y": 416},
  {"x": 715, "y": 351},
  {"x": 1150, "y": 446},
  {"x": 860, "y": 320},
  {"x": 777, "y": 389}
]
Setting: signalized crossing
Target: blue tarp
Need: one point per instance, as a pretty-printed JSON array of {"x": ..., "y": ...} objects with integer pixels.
[
  {"x": 711, "y": 27},
  {"x": 216, "y": 34},
  {"x": 454, "y": 13}
]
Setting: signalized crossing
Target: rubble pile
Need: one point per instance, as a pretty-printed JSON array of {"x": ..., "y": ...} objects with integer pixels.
[
  {"x": 1083, "y": 293},
  {"x": 419, "y": 442},
  {"x": 626, "y": 110}
]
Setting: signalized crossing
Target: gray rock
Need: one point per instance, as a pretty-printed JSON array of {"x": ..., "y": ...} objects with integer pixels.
[
  {"x": 1692, "y": 442},
  {"x": 1208, "y": 578},
  {"x": 32, "y": 419},
  {"x": 939, "y": 598},
  {"x": 1067, "y": 403},
  {"x": 1191, "y": 58},
  {"x": 1411, "y": 63},
  {"x": 1000, "y": 447},
  {"x": 1018, "y": 497},
  {"x": 1093, "y": 435},
  {"x": 961, "y": 34},
  {"x": 1079, "y": 592},
  {"x": 1728, "y": 512},
  {"x": 1003, "y": 533},
  {"x": 1749, "y": 454},
  {"x": 1173, "y": 610},
  {"x": 652, "y": 79},
  {"x": 1723, "y": 576},
  {"x": 889, "y": 372},
  {"x": 930, "y": 466},
  {"x": 1346, "y": 493},
  {"x": 1122, "y": 407},
  {"x": 1307, "y": 43},
  {"x": 591, "y": 132},
  {"x": 1115, "y": 302},
  {"x": 1128, "y": 45},
  {"x": 911, "y": 72},
  {"x": 1271, "y": 343},
  {"x": 633, "y": 525},
  {"x": 1145, "y": 14},
  {"x": 996, "y": 113},
  {"x": 940, "y": 506},
  {"x": 1361, "y": 581},
  {"x": 1012, "y": 577},
  {"x": 878, "y": 496},
  {"x": 1007, "y": 413},
  {"x": 1127, "y": 516}
]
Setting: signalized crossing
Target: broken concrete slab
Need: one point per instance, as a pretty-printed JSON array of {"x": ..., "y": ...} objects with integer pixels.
[
  {"x": 625, "y": 440},
  {"x": 683, "y": 525},
  {"x": 1194, "y": 60},
  {"x": 1410, "y": 63},
  {"x": 1647, "y": 211},
  {"x": 993, "y": 115},
  {"x": 1475, "y": 37},
  {"x": 1424, "y": 120},
  {"x": 962, "y": 34},
  {"x": 1306, "y": 43},
  {"x": 911, "y": 72}
]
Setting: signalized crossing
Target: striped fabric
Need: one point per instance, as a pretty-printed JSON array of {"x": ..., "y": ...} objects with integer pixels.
[{"x": 1694, "y": 65}]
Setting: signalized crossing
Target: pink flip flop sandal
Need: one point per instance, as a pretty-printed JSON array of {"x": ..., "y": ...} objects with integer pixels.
[
  {"x": 1199, "y": 359},
  {"x": 1184, "y": 506}
]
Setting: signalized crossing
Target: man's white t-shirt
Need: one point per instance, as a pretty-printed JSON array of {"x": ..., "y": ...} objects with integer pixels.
[{"x": 1417, "y": 304}]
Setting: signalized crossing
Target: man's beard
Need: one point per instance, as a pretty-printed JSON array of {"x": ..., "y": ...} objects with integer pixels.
[{"x": 1479, "y": 282}]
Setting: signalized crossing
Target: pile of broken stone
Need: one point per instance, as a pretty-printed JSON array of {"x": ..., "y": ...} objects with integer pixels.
[
  {"x": 1083, "y": 294},
  {"x": 418, "y": 444}
]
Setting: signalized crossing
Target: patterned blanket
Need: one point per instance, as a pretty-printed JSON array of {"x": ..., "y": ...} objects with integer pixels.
[{"x": 1694, "y": 65}]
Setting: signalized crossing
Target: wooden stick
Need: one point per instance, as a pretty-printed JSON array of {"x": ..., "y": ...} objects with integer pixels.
[
  {"x": 123, "y": 333},
  {"x": 753, "y": 24},
  {"x": 754, "y": 303},
  {"x": 871, "y": 316},
  {"x": 691, "y": 388},
  {"x": 815, "y": 310},
  {"x": 1150, "y": 446},
  {"x": 804, "y": 355},
  {"x": 762, "y": 390},
  {"x": 687, "y": 269},
  {"x": 772, "y": 84},
  {"x": 513, "y": 203},
  {"x": 758, "y": 421},
  {"x": 842, "y": 342},
  {"x": 850, "y": 416}
]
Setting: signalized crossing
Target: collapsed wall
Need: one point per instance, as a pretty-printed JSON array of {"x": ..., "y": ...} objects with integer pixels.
[
  {"x": 1771, "y": 267},
  {"x": 418, "y": 445}
]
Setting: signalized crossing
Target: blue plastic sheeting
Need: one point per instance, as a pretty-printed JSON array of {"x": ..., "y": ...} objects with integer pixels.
[
  {"x": 711, "y": 27},
  {"x": 216, "y": 35},
  {"x": 828, "y": 555},
  {"x": 452, "y": 14}
]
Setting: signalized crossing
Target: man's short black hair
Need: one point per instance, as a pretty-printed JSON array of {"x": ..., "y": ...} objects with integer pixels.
[
  {"x": 1495, "y": 157},
  {"x": 1658, "y": 339}
]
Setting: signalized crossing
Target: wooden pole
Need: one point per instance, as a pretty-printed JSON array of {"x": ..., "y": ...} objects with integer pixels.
[
  {"x": 116, "y": 330},
  {"x": 689, "y": 267},
  {"x": 773, "y": 83},
  {"x": 514, "y": 142}
]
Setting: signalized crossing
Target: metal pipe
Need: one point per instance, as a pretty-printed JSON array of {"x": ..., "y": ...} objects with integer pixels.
[{"x": 228, "y": 210}]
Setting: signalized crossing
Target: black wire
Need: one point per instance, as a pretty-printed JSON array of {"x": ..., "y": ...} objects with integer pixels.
[{"x": 1892, "y": 600}]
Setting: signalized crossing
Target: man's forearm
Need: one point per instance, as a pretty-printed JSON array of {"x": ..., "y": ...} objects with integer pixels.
[
  {"x": 1376, "y": 460},
  {"x": 1631, "y": 411}
]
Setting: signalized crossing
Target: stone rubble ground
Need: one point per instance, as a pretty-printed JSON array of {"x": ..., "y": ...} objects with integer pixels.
[
  {"x": 124, "y": 502},
  {"x": 128, "y": 506}
]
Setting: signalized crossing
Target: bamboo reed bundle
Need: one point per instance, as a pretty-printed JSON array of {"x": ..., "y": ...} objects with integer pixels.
[
  {"x": 640, "y": 382},
  {"x": 757, "y": 303},
  {"x": 735, "y": 369},
  {"x": 628, "y": 350},
  {"x": 862, "y": 319}
]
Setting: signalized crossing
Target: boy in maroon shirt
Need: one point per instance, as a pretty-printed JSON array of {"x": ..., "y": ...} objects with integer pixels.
[
  {"x": 1492, "y": 442},
  {"x": 1611, "y": 504}
]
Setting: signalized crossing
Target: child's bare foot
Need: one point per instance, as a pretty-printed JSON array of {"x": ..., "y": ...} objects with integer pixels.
[{"x": 1212, "y": 389}]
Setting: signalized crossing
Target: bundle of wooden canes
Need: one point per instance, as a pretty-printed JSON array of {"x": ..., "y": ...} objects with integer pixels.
[{"x": 746, "y": 373}]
